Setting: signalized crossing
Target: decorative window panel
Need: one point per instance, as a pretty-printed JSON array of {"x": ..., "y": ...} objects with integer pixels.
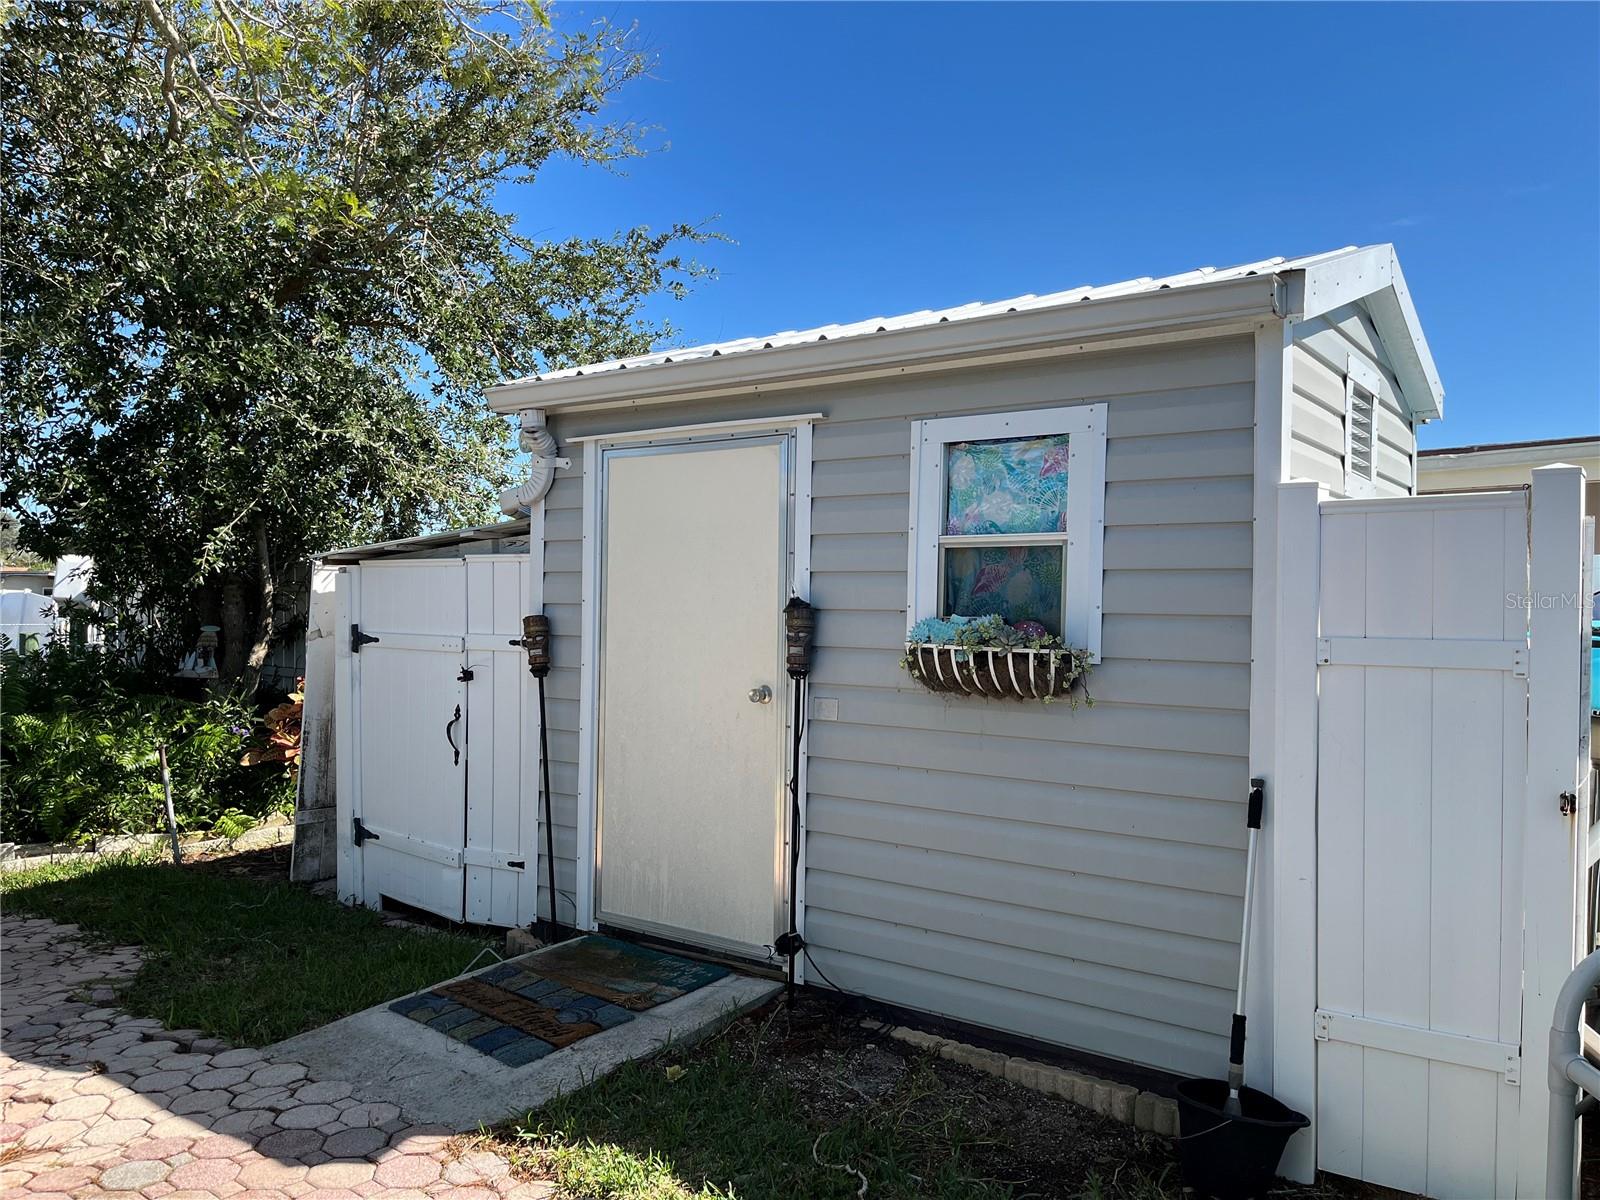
[
  {"x": 1007, "y": 486},
  {"x": 1021, "y": 583}
]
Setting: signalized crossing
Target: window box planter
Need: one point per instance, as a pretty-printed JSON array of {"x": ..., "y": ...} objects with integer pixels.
[{"x": 1000, "y": 673}]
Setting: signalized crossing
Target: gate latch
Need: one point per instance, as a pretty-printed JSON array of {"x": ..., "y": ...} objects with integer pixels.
[
  {"x": 360, "y": 833},
  {"x": 1569, "y": 803},
  {"x": 359, "y": 639}
]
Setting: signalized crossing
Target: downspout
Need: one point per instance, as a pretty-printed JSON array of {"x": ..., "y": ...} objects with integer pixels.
[{"x": 539, "y": 444}]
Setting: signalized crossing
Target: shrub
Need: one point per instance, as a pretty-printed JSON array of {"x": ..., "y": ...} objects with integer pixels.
[{"x": 80, "y": 732}]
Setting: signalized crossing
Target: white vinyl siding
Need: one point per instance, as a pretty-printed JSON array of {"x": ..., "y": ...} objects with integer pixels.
[
  {"x": 563, "y": 587},
  {"x": 1074, "y": 877},
  {"x": 1323, "y": 350}
]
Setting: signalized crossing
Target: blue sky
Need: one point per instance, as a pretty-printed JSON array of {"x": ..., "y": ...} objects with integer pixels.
[{"x": 884, "y": 158}]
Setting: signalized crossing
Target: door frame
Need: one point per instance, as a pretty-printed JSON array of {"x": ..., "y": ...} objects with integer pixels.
[{"x": 796, "y": 434}]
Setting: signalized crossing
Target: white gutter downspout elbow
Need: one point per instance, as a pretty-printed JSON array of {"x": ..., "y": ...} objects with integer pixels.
[{"x": 538, "y": 442}]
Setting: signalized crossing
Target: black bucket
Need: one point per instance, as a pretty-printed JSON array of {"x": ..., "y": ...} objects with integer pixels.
[{"x": 1231, "y": 1157}]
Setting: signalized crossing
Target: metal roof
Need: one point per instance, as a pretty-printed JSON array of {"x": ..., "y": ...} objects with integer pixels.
[
  {"x": 1483, "y": 447},
  {"x": 427, "y": 541},
  {"x": 938, "y": 316}
]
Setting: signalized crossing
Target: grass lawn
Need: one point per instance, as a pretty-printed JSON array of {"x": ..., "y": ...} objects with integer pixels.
[
  {"x": 243, "y": 959},
  {"x": 729, "y": 1126}
]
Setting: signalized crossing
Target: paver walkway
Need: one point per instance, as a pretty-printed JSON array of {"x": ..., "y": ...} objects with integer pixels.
[{"x": 96, "y": 1102}]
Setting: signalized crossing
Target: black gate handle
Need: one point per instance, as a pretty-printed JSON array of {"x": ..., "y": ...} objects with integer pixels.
[{"x": 449, "y": 737}]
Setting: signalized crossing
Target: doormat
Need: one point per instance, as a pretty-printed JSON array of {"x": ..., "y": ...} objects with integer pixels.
[{"x": 519, "y": 1011}]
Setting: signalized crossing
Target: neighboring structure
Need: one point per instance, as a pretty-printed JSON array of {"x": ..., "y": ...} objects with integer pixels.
[
  {"x": 26, "y": 579},
  {"x": 28, "y": 619},
  {"x": 1508, "y": 464},
  {"x": 1511, "y": 464},
  {"x": 1106, "y": 461},
  {"x": 29, "y": 611}
]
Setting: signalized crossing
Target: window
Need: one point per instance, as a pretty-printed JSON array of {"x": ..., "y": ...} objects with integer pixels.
[
  {"x": 1007, "y": 517},
  {"x": 1361, "y": 385}
]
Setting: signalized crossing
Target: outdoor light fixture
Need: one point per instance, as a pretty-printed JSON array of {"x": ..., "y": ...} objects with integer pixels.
[
  {"x": 535, "y": 640},
  {"x": 800, "y": 626}
]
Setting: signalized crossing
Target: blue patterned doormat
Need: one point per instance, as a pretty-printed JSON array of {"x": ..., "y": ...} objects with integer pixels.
[{"x": 521, "y": 1010}]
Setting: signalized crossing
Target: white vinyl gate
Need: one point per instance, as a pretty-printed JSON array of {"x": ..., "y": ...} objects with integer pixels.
[
  {"x": 1420, "y": 764},
  {"x": 442, "y": 816},
  {"x": 1447, "y": 877}
]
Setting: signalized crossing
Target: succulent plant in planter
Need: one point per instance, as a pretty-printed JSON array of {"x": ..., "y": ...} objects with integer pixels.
[{"x": 983, "y": 656}]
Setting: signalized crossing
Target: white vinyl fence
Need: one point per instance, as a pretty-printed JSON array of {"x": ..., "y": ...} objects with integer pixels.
[{"x": 1431, "y": 674}]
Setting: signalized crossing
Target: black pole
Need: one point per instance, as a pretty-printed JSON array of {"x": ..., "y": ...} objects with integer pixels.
[
  {"x": 549, "y": 826},
  {"x": 792, "y": 941}
]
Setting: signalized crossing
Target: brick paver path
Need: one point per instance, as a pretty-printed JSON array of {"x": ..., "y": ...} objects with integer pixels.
[{"x": 94, "y": 1102}]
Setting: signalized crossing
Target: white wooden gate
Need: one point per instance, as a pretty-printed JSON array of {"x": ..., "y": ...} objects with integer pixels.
[
  {"x": 436, "y": 713},
  {"x": 1445, "y": 885}
]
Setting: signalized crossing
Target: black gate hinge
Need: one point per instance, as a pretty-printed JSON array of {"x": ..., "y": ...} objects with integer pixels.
[
  {"x": 360, "y": 833},
  {"x": 1569, "y": 803},
  {"x": 359, "y": 639},
  {"x": 520, "y": 864}
]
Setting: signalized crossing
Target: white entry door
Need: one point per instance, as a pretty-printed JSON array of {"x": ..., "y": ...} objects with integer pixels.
[
  {"x": 447, "y": 739},
  {"x": 690, "y": 776},
  {"x": 411, "y": 703}
]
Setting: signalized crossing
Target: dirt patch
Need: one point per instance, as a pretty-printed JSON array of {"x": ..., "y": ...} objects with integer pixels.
[
  {"x": 270, "y": 864},
  {"x": 1038, "y": 1145}
]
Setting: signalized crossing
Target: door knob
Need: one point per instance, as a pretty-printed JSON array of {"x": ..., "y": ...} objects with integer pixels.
[{"x": 761, "y": 695}]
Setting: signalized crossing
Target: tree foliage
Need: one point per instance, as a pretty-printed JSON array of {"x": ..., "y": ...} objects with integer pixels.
[{"x": 256, "y": 275}]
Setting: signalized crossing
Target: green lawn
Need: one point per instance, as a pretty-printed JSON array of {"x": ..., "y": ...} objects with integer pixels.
[
  {"x": 721, "y": 1124},
  {"x": 248, "y": 961}
]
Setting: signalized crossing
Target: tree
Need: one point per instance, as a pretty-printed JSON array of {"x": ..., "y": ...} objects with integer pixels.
[
  {"x": 11, "y": 552},
  {"x": 255, "y": 278}
]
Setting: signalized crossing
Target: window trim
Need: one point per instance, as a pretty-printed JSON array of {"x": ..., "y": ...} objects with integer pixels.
[
  {"x": 1358, "y": 374},
  {"x": 1085, "y": 425}
]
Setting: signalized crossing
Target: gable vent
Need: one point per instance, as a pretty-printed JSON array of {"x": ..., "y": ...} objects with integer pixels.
[{"x": 1361, "y": 385}]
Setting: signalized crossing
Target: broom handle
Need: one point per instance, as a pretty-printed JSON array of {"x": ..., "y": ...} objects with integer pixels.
[{"x": 1236, "y": 1034}]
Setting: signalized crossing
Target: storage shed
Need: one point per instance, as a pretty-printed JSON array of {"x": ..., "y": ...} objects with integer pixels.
[
  {"x": 1069, "y": 875},
  {"x": 1199, "y": 487},
  {"x": 1103, "y": 466}
]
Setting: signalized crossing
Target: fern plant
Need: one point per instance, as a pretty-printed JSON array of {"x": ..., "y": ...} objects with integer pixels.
[{"x": 80, "y": 735}]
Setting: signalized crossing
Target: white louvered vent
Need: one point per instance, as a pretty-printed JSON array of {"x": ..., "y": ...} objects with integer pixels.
[{"x": 1361, "y": 384}]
